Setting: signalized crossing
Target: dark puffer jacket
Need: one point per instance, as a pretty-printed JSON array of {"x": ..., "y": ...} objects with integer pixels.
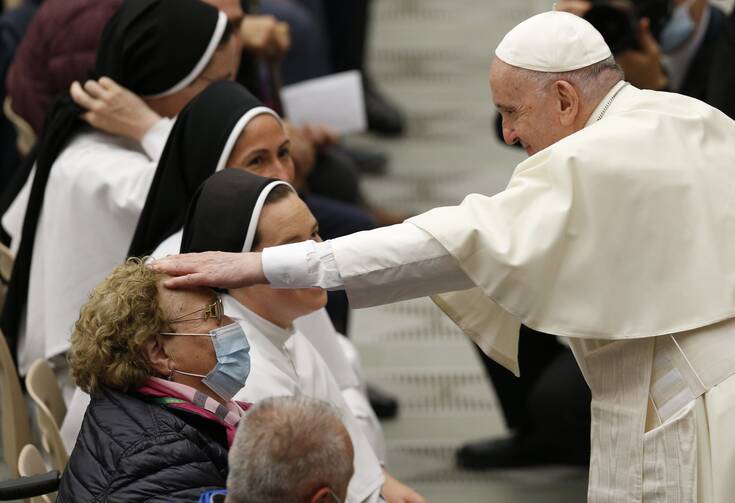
[
  {"x": 59, "y": 47},
  {"x": 131, "y": 450}
]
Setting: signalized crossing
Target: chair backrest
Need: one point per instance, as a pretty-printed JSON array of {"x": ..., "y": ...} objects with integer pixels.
[
  {"x": 43, "y": 387},
  {"x": 30, "y": 463},
  {"x": 16, "y": 425},
  {"x": 6, "y": 268}
]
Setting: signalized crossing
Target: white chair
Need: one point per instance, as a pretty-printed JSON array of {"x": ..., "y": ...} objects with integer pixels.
[
  {"x": 16, "y": 424},
  {"x": 30, "y": 463},
  {"x": 43, "y": 387}
]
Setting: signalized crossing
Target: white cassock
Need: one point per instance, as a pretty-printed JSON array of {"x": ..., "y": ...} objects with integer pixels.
[
  {"x": 95, "y": 193},
  {"x": 618, "y": 237},
  {"x": 284, "y": 363}
]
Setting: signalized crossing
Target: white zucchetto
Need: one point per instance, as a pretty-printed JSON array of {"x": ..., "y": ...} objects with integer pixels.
[{"x": 553, "y": 42}]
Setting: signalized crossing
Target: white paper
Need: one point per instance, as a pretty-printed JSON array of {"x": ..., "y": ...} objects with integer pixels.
[{"x": 335, "y": 100}]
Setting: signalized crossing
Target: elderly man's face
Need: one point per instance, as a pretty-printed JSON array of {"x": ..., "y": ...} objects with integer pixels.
[{"x": 530, "y": 117}]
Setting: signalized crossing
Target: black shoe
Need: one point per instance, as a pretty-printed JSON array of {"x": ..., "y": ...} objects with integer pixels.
[
  {"x": 367, "y": 160},
  {"x": 384, "y": 405},
  {"x": 512, "y": 452},
  {"x": 383, "y": 116}
]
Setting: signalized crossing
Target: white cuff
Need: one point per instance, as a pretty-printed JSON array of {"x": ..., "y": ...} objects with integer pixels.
[
  {"x": 301, "y": 265},
  {"x": 155, "y": 138}
]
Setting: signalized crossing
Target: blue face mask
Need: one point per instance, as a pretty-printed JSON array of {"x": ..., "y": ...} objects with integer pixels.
[
  {"x": 678, "y": 29},
  {"x": 233, "y": 360}
]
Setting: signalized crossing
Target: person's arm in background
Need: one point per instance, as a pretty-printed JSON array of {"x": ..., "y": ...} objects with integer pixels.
[{"x": 116, "y": 110}]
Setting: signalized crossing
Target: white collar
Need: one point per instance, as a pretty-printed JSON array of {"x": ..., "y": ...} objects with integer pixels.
[
  {"x": 604, "y": 105},
  {"x": 235, "y": 310}
]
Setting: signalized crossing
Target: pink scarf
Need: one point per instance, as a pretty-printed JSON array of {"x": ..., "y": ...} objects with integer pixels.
[{"x": 181, "y": 396}]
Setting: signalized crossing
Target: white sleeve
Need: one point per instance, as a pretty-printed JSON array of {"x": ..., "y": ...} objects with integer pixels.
[
  {"x": 375, "y": 267},
  {"x": 155, "y": 138},
  {"x": 301, "y": 265}
]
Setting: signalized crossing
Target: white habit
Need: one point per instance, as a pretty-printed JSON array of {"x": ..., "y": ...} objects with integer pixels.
[
  {"x": 285, "y": 363},
  {"x": 619, "y": 237},
  {"x": 94, "y": 196}
]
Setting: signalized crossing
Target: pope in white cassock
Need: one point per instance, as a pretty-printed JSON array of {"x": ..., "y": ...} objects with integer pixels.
[{"x": 616, "y": 233}]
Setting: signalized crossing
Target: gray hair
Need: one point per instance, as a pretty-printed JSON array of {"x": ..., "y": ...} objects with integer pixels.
[
  {"x": 287, "y": 448},
  {"x": 592, "y": 81}
]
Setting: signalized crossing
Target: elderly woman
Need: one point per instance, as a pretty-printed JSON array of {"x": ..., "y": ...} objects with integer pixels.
[
  {"x": 162, "y": 368},
  {"x": 237, "y": 211}
]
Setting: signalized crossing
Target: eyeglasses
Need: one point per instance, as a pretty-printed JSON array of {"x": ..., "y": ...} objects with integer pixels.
[{"x": 213, "y": 310}]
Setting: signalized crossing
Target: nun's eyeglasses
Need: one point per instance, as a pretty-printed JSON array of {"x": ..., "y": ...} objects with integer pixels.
[{"x": 213, "y": 310}]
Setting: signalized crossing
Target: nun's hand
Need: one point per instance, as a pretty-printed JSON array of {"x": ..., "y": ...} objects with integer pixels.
[
  {"x": 214, "y": 269},
  {"x": 113, "y": 109}
]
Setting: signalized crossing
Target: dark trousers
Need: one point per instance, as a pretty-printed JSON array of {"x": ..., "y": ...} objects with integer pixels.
[{"x": 548, "y": 407}]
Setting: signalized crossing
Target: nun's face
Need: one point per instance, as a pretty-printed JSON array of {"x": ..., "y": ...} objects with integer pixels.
[
  {"x": 287, "y": 220},
  {"x": 264, "y": 150}
]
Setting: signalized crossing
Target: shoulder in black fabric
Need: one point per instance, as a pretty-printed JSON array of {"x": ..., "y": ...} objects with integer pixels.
[
  {"x": 148, "y": 46},
  {"x": 132, "y": 450},
  {"x": 222, "y": 212},
  {"x": 192, "y": 153}
]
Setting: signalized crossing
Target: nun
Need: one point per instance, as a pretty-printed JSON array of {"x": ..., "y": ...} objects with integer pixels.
[
  {"x": 235, "y": 211},
  {"x": 73, "y": 219}
]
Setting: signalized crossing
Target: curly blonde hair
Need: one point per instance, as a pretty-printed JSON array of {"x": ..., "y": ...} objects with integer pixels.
[{"x": 121, "y": 315}]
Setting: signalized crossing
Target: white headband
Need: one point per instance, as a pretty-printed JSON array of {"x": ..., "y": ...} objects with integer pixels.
[
  {"x": 235, "y": 133},
  {"x": 253, "y": 225},
  {"x": 203, "y": 61}
]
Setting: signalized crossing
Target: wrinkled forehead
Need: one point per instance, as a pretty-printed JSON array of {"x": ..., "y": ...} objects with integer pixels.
[
  {"x": 506, "y": 84},
  {"x": 175, "y": 303}
]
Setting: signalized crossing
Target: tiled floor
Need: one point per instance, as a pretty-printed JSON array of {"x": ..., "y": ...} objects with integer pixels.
[{"x": 433, "y": 57}]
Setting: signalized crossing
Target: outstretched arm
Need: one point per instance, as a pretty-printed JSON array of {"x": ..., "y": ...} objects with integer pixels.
[
  {"x": 217, "y": 269},
  {"x": 375, "y": 267}
]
